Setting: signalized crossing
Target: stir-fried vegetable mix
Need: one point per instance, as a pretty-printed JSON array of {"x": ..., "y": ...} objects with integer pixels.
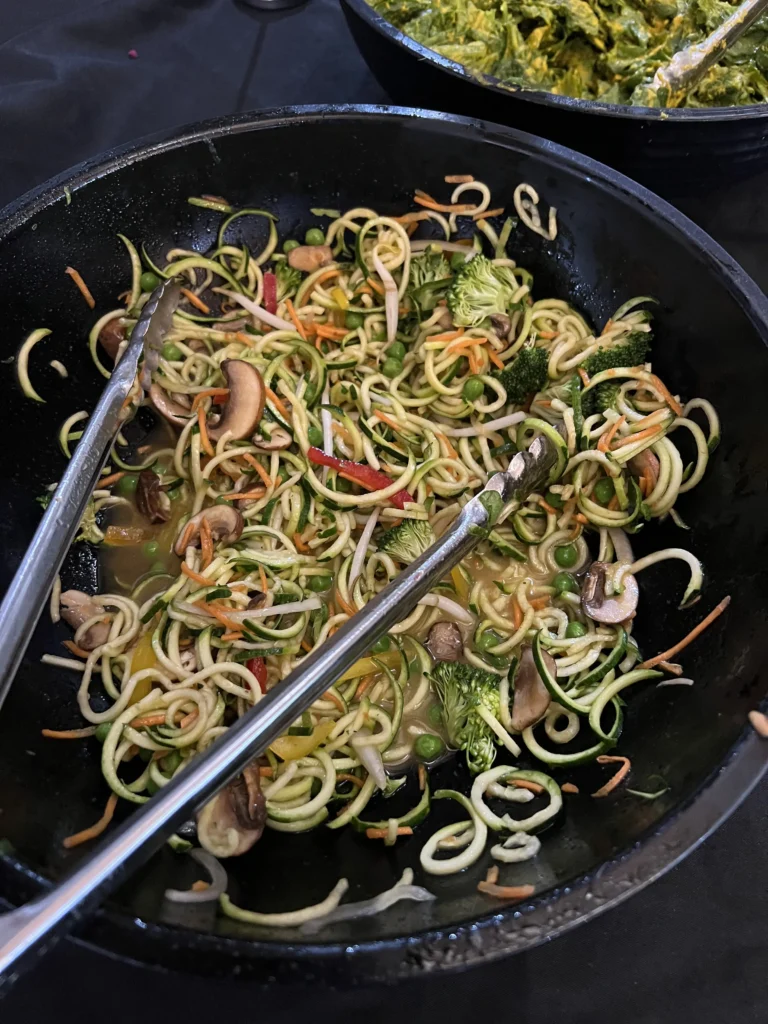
[
  {"x": 596, "y": 51},
  {"x": 328, "y": 407}
]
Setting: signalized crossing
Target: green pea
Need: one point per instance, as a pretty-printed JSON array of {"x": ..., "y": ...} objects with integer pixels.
[
  {"x": 148, "y": 281},
  {"x": 458, "y": 259},
  {"x": 102, "y": 731},
  {"x": 487, "y": 641},
  {"x": 473, "y": 389},
  {"x": 391, "y": 368},
  {"x": 172, "y": 352},
  {"x": 435, "y": 716},
  {"x": 575, "y": 629},
  {"x": 396, "y": 351},
  {"x": 171, "y": 762},
  {"x": 315, "y": 436},
  {"x": 566, "y": 556},
  {"x": 381, "y": 645},
  {"x": 353, "y": 319},
  {"x": 151, "y": 549},
  {"x": 604, "y": 490},
  {"x": 315, "y": 236},
  {"x": 564, "y": 583},
  {"x": 126, "y": 485},
  {"x": 428, "y": 747},
  {"x": 319, "y": 584},
  {"x": 289, "y": 244},
  {"x": 553, "y": 498}
]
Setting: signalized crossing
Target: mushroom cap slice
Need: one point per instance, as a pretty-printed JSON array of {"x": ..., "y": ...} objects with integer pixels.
[
  {"x": 225, "y": 522},
  {"x": 531, "y": 697},
  {"x": 309, "y": 258},
  {"x": 77, "y": 608},
  {"x": 611, "y": 610},
  {"x": 168, "y": 408},
  {"x": 112, "y": 335},
  {"x": 277, "y": 440},
  {"x": 445, "y": 642},
  {"x": 234, "y": 820},
  {"x": 153, "y": 503},
  {"x": 246, "y": 401}
]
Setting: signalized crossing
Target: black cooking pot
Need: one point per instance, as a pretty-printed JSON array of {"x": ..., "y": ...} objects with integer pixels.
[
  {"x": 616, "y": 240},
  {"x": 675, "y": 152}
]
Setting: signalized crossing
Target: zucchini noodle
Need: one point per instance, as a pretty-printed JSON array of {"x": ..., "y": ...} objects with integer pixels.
[{"x": 326, "y": 418}]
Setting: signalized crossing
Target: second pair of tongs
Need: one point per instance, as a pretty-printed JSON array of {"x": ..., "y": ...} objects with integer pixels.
[{"x": 24, "y": 930}]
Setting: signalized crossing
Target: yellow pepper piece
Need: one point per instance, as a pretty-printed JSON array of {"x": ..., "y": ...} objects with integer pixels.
[
  {"x": 340, "y": 298},
  {"x": 143, "y": 657},
  {"x": 367, "y": 665},
  {"x": 460, "y": 583},
  {"x": 291, "y": 748}
]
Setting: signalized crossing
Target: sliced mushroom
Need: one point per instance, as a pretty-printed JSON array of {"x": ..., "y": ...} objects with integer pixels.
[
  {"x": 309, "y": 258},
  {"x": 151, "y": 501},
  {"x": 111, "y": 336},
  {"x": 601, "y": 608},
  {"x": 171, "y": 409},
  {"x": 257, "y": 599},
  {"x": 445, "y": 642},
  {"x": 501, "y": 324},
  {"x": 277, "y": 440},
  {"x": 225, "y": 522},
  {"x": 445, "y": 320},
  {"x": 246, "y": 401},
  {"x": 77, "y": 608},
  {"x": 531, "y": 698},
  {"x": 234, "y": 820},
  {"x": 645, "y": 464}
]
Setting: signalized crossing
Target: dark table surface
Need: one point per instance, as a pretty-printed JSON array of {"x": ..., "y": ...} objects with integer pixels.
[{"x": 693, "y": 947}]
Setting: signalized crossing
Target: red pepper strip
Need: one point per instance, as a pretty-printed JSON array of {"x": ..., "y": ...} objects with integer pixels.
[
  {"x": 359, "y": 473},
  {"x": 259, "y": 668},
  {"x": 270, "y": 292}
]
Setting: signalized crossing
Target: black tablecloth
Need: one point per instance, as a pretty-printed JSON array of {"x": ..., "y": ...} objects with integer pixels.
[{"x": 693, "y": 947}]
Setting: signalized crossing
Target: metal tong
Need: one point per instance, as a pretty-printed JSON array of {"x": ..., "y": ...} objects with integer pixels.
[{"x": 35, "y": 926}]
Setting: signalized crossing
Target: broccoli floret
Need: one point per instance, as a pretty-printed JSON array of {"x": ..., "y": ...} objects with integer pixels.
[
  {"x": 408, "y": 540},
  {"x": 430, "y": 274},
  {"x": 631, "y": 352},
  {"x": 479, "y": 290},
  {"x": 525, "y": 376},
  {"x": 89, "y": 528},
  {"x": 605, "y": 396},
  {"x": 288, "y": 279},
  {"x": 44, "y": 500},
  {"x": 462, "y": 690}
]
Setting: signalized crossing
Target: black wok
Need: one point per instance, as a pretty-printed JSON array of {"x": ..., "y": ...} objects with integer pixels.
[
  {"x": 616, "y": 240},
  {"x": 674, "y": 151}
]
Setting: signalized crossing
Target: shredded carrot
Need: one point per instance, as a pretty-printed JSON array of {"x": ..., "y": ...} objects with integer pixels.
[
  {"x": 604, "y": 441},
  {"x": 346, "y": 777},
  {"x": 278, "y": 404},
  {"x": 266, "y": 772},
  {"x": 539, "y": 602},
  {"x": 235, "y": 635},
  {"x": 204, "y": 439},
  {"x": 666, "y": 655},
  {"x": 209, "y": 393},
  {"x": 534, "y": 787},
  {"x": 388, "y": 420},
  {"x": 107, "y": 481},
  {"x": 195, "y": 300},
  {"x": 263, "y": 580},
  {"x": 584, "y": 376},
  {"x": 305, "y": 646},
  {"x": 206, "y": 542},
  {"x": 345, "y": 605},
  {"x": 382, "y": 833},
  {"x": 568, "y": 787},
  {"x": 94, "y": 830},
  {"x": 621, "y": 774},
  {"x": 249, "y": 495},
  {"x": 475, "y": 363},
  {"x": 82, "y": 286},
  {"x": 244, "y": 338},
  {"x": 431, "y": 204},
  {"x": 187, "y": 720},
  {"x": 378, "y": 288},
  {"x": 199, "y": 886},
  {"x": 757, "y": 719},
  {"x": 69, "y": 734},
  {"x": 547, "y": 335},
  {"x": 488, "y": 213},
  {"x": 607, "y": 327},
  {"x": 668, "y": 666},
  {"x": 331, "y": 696},
  {"x": 452, "y": 453},
  {"x": 257, "y": 466},
  {"x": 517, "y": 613},
  {"x": 365, "y": 684},
  {"x": 196, "y": 576},
  {"x": 639, "y": 436},
  {"x": 495, "y": 358},
  {"x": 506, "y": 892},
  {"x": 669, "y": 398},
  {"x": 300, "y": 545},
  {"x": 332, "y": 333},
  {"x": 143, "y": 720},
  {"x": 219, "y": 614},
  {"x": 412, "y": 218},
  {"x": 296, "y": 322},
  {"x": 581, "y": 518},
  {"x": 331, "y": 272},
  {"x": 72, "y": 646},
  {"x": 450, "y": 336},
  {"x": 547, "y": 508},
  {"x": 422, "y": 777},
  {"x": 457, "y": 179},
  {"x": 460, "y": 345}
]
